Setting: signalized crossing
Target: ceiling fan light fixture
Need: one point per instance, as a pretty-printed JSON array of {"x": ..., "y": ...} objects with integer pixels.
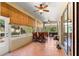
[{"x": 40, "y": 10}]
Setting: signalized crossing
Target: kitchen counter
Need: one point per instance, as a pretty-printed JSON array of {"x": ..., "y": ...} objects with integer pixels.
[
  {"x": 19, "y": 41},
  {"x": 20, "y": 36}
]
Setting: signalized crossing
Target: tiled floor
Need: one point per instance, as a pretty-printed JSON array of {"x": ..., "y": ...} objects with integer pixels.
[{"x": 39, "y": 49}]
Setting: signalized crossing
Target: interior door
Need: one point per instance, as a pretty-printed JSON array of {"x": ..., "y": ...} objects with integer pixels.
[{"x": 4, "y": 35}]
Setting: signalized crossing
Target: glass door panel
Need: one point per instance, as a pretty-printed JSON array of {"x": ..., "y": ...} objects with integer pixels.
[{"x": 67, "y": 42}]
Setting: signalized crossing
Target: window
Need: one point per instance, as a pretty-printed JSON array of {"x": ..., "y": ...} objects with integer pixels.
[
  {"x": 51, "y": 28},
  {"x": 2, "y": 28},
  {"x": 19, "y": 30}
]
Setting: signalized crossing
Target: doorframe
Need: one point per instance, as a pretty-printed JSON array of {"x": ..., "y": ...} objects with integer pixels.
[
  {"x": 77, "y": 28},
  {"x": 6, "y": 20}
]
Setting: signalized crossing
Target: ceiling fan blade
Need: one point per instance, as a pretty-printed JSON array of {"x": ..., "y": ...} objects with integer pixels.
[
  {"x": 46, "y": 10},
  {"x": 36, "y": 10},
  {"x": 37, "y": 7},
  {"x": 45, "y": 6}
]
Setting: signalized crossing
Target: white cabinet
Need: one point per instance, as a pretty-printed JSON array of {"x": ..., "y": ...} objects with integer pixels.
[{"x": 17, "y": 42}]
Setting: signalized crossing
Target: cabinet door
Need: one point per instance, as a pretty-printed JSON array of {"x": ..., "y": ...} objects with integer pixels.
[
  {"x": 33, "y": 23},
  {"x": 4, "y": 10},
  {"x": 30, "y": 21},
  {"x": 21, "y": 19},
  {"x": 25, "y": 20},
  {"x": 14, "y": 17},
  {"x": 18, "y": 18}
]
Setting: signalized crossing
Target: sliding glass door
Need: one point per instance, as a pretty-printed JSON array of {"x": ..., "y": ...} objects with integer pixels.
[{"x": 67, "y": 35}]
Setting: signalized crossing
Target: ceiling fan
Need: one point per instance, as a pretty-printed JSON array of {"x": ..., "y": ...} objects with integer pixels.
[{"x": 41, "y": 8}]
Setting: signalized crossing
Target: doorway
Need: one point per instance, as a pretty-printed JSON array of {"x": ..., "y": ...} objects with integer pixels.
[{"x": 4, "y": 35}]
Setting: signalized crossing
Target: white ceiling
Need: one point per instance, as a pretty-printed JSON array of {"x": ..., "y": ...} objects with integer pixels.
[{"x": 55, "y": 10}]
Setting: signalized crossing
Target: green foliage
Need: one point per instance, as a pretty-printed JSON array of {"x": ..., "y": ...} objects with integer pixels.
[
  {"x": 1, "y": 21},
  {"x": 50, "y": 29},
  {"x": 29, "y": 29},
  {"x": 53, "y": 29}
]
